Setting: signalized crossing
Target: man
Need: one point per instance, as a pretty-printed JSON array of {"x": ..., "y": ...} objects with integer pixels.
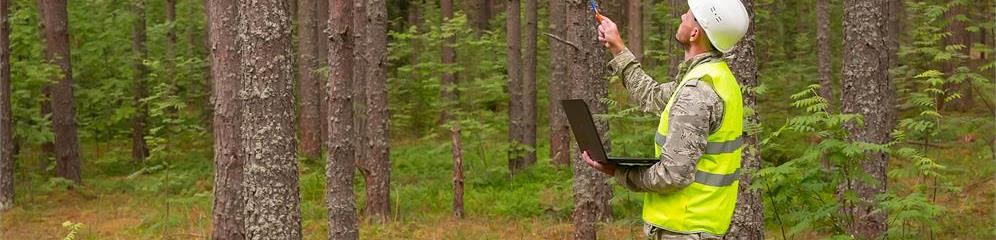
[{"x": 692, "y": 191}]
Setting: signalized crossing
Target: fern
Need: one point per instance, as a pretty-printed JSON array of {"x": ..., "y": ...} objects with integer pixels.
[{"x": 73, "y": 228}]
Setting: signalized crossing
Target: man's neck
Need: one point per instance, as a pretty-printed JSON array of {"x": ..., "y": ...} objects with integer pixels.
[{"x": 694, "y": 50}]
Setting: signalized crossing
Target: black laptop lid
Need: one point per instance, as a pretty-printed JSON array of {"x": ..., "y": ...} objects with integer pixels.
[{"x": 584, "y": 130}]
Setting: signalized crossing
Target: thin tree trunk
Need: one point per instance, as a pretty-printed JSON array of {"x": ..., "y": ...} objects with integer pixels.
[
  {"x": 229, "y": 158},
  {"x": 340, "y": 167},
  {"x": 518, "y": 156},
  {"x": 586, "y": 68},
  {"x": 677, "y": 7},
  {"x": 559, "y": 89},
  {"x": 6, "y": 126},
  {"x": 378, "y": 204},
  {"x": 866, "y": 90},
  {"x": 308, "y": 88},
  {"x": 270, "y": 174},
  {"x": 322, "y": 39},
  {"x": 47, "y": 147},
  {"x": 139, "y": 150},
  {"x": 62, "y": 101},
  {"x": 748, "y": 216},
  {"x": 634, "y": 29},
  {"x": 448, "y": 80},
  {"x": 171, "y": 48},
  {"x": 483, "y": 16},
  {"x": 360, "y": 87},
  {"x": 457, "y": 172},
  {"x": 450, "y": 98},
  {"x": 528, "y": 88},
  {"x": 823, "y": 48}
]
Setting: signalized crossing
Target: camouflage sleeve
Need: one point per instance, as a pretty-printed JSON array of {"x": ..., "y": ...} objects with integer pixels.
[
  {"x": 650, "y": 95},
  {"x": 696, "y": 112}
]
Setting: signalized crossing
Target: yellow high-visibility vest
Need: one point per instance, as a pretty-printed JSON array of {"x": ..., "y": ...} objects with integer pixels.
[{"x": 705, "y": 206}]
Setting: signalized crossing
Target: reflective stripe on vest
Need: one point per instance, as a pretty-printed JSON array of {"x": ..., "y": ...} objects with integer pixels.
[{"x": 706, "y": 205}]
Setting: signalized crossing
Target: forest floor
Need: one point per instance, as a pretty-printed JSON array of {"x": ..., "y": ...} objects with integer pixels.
[{"x": 116, "y": 203}]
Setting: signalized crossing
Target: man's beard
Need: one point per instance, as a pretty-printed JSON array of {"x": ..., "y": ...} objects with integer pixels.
[{"x": 684, "y": 45}]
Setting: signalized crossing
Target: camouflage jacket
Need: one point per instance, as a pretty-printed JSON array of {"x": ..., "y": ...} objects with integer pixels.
[{"x": 697, "y": 112}]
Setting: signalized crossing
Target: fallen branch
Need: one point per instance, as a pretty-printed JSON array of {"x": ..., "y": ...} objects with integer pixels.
[{"x": 555, "y": 37}]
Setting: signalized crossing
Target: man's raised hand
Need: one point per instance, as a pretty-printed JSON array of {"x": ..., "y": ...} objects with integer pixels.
[{"x": 608, "y": 34}]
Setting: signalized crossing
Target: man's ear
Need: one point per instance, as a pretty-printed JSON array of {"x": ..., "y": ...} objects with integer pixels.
[{"x": 694, "y": 35}]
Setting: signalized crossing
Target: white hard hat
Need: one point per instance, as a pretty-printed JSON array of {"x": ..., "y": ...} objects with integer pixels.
[{"x": 724, "y": 21}]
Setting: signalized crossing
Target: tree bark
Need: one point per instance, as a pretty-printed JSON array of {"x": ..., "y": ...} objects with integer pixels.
[
  {"x": 457, "y": 172},
  {"x": 634, "y": 28},
  {"x": 823, "y": 50},
  {"x": 340, "y": 166},
  {"x": 483, "y": 16},
  {"x": 360, "y": 87},
  {"x": 270, "y": 175},
  {"x": 560, "y": 138},
  {"x": 448, "y": 80},
  {"x": 528, "y": 88},
  {"x": 587, "y": 68},
  {"x": 866, "y": 90},
  {"x": 378, "y": 204},
  {"x": 47, "y": 147},
  {"x": 322, "y": 39},
  {"x": 62, "y": 101},
  {"x": 229, "y": 158},
  {"x": 308, "y": 88},
  {"x": 519, "y": 155},
  {"x": 748, "y": 216},
  {"x": 6, "y": 125},
  {"x": 677, "y": 7},
  {"x": 171, "y": 48},
  {"x": 139, "y": 150}
]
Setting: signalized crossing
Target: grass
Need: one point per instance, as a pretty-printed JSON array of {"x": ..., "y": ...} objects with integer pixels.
[{"x": 535, "y": 204}]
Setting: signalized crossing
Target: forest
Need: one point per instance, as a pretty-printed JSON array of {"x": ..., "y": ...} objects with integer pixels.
[{"x": 441, "y": 119}]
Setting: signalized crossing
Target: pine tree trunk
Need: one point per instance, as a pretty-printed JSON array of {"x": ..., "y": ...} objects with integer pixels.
[
  {"x": 171, "y": 48},
  {"x": 360, "y": 87},
  {"x": 559, "y": 89},
  {"x": 448, "y": 80},
  {"x": 340, "y": 167},
  {"x": 677, "y": 7},
  {"x": 139, "y": 150},
  {"x": 513, "y": 40},
  {"x": 823, "y": 48},
  {"x": 528, "y": 87},
  {"x": 587, "y": 69},
  {"x": 482, "y": 18},
  {"x": 378, "y": 198},
  {"x": 63, "y": 104},
  {"x": 866, "y": 90},
  {"x": 748, "y": 216},
  {"x": 634, "y": 28},
  {"x": 518, "y": 127},
  {"x": 229, "y": 158},
  {"x": 6, "y": 126},
  {"x": 308, "y": 88},
  {"x": 457, "y": 172},
  {"x": 323, "y": 41},
  {"x": 270, "y": 174},
  {"x": 47, "y": 147}
]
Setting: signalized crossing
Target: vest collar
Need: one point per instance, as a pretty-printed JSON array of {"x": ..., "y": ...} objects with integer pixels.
[{"x": 688, "y": 65}]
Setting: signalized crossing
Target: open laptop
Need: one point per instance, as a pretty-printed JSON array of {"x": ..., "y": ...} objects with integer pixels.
[{"x": 583, "y": 126}]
